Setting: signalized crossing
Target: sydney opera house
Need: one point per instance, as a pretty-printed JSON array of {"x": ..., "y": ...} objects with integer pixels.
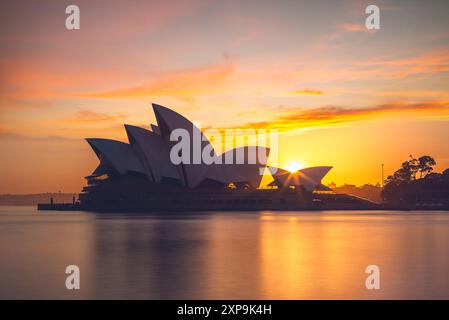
[{"x": 141, "y": 176}]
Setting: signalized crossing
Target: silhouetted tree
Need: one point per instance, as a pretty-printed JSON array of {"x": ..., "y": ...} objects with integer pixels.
[
  {"x": 446, "y": 173},
  {"x": 425, "y": 165},
  {"x": 429, "y": 189}
]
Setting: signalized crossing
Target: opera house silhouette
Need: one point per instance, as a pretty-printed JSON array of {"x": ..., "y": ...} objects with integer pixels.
[{"x": 140, "y": 176}]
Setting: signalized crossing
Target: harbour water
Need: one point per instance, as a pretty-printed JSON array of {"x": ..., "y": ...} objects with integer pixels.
[{"x": 224, "y": 255}]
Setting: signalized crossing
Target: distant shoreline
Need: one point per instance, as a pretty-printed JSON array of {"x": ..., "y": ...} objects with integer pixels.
[
  {"x": 297, "y": 208},
  {"x": 34, "y": 198},
  {"x": 367, "y": 191}
]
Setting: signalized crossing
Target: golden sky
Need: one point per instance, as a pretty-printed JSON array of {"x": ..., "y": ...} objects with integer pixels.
[{"x": 339, "y": 94}]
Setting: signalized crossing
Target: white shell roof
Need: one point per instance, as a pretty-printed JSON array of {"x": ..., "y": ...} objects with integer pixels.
[
  {"x": 148, "y": 152},
  {"x": 117, "y": 154},
  {"x": 309, "y": 178},
  {"x": 167, "y": 121},
  {"x": 153, "y": 153},
  {"x": 251, "y": 167}
]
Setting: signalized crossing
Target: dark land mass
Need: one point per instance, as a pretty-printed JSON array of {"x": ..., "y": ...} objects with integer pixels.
[{"x": 415, "y": 184}]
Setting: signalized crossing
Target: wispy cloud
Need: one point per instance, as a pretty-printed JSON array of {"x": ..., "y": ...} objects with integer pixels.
[
  {"x": 431, "y": 62},
  {"x": 307, "y": 92},
  {"x": 183, "y": 83},
  {"x": 92, "y": 116},
  {"x": 288, "y": 119},
  {"x": 13, "y": 136},
  {"x": 353, "y": 27}
]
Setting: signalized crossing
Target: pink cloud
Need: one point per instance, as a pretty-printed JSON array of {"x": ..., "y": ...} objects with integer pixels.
[{"x": 182, "y": 83}]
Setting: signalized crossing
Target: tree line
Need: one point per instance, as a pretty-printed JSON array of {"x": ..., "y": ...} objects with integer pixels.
[{"x": 415, "y": 183}]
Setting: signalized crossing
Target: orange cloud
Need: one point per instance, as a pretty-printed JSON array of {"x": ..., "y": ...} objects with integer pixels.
[
  {"x": 86, "y": 123},
  {"x": 353, "y": 27},
  {"x": 25, "y": 81},
  {"x": 89, "y": 116},
  {"x": 378, "y": 69},
  {"x": 183, "y": 83},
  {"x": 6, "y": 135},
  {"x": 308, "y": 92},
  {"x": 428, "y": 63},
  {"x": 300, "y": 118}
]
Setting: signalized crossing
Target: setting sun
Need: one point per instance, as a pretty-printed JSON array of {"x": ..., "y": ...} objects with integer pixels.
[{"x": 294, "y": 166}]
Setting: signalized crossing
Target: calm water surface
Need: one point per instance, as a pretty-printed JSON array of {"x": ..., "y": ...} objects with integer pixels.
[{"x": 226, "y": 255}]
